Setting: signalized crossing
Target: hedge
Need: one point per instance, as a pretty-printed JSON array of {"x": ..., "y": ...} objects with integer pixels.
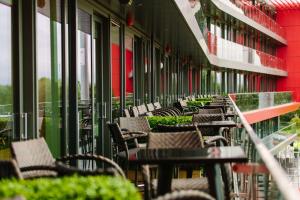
[{"x": 168, "y": 120}]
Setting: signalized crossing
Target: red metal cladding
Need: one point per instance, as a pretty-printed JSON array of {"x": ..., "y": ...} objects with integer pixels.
[{"x": 268, "y": 113}]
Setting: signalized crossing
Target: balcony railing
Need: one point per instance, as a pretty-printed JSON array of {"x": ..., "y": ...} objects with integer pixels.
[
  {"x": 263, "y": 177},
  {"x": 228, "y": 50},
  {"x": 254, "y": 101},
  {"x": 259, "y": 16}
]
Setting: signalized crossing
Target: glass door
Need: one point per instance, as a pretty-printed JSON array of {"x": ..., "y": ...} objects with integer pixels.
[{"x": 6, "y": 90}]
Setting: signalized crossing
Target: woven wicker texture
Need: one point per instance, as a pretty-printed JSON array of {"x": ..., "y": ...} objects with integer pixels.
[
  {"x": 118, "y": 139},
  {"x": 157, "y": 105},
  {"x": 134, "y": 111},
  {"x": 202, "y": 118},
  {"x": 186, "y": 195},
  {"x": 32, "y": 153},
  {"x": 210, "y": 111},
  {"x": 142, "y": 109},
  {"x": 126, "y": 113},
  {"x": 135, "y": 124},
  {"x": 150, "y": 107},
  {"x": 186, "y": 140},
  {"x": 189, "y": 183}
]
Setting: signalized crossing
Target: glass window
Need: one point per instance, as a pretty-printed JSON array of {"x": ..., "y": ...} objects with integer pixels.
[
  {"x": 49, "y": 73},
  {"x": 5, "y": 68},
  {"x": 115, "y": 64},
  {"x": 129, "y": 69}
]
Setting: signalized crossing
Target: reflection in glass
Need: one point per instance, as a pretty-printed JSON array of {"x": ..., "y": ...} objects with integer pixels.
[
  {"x": 49, "y": 74},
  {"x": 129, "y": 69},
  {"x": 115, "y": 63},
  {"x": 5, "y": 76}
]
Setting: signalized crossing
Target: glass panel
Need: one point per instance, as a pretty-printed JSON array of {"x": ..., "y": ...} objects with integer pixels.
[
  {"x": 84, "y": 82},
  {"x": 253, "y": 101},
  {"x": 5, "y": 79},
  {"x": 49, "y": 74},
  {"x": 115, "y": 64},
  {"x": 129, "y": 69}
]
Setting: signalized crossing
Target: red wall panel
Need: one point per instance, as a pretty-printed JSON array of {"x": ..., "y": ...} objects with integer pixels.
[{"x": 290, "y": 20}]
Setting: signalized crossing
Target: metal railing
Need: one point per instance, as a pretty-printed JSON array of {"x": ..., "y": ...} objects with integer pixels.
[
  {"x": 259, "y": 16},
  {"x": 262, "y": 177}
]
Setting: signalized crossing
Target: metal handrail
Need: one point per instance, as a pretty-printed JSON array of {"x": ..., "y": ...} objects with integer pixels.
[{"x": 288, "y": 191}]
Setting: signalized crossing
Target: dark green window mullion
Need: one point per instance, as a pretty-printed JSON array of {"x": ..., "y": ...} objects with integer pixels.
[
  {"x": 73, "y": 139},
  {"x": 64, "y": 98},
  {"x": 122, "y": 70},
  {"x": 28, "y": 90},
  {"x": 17, "y": 66}
]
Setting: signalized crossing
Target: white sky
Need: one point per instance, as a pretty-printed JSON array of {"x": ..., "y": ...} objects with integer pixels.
[{"x": 5, "y": 45}]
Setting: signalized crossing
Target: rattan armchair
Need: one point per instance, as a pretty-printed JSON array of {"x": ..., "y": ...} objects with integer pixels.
[
  {"x": 187, "y": 140},
  {"x": 202, "y": 118},
  {"x": 34, "y": 159},
  {"x": 138, "y": 125},
  {"x": 186, "y": 195}
]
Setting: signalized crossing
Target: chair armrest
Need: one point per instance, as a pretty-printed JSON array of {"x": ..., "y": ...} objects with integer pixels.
[
  {"x": 93, "y": 157},
  {"x": 217, "y": 139}
]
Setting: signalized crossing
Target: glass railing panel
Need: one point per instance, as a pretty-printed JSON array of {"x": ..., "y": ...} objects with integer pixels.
[
  {"x": 257, "y": 15},
  {"x": 263, "y": 177},
  {"x": 254, "y": 101},
  {"x": 228, "y": 50}
]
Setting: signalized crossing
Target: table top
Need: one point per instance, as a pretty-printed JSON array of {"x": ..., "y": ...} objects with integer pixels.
[{"x": 211, "y": 155}]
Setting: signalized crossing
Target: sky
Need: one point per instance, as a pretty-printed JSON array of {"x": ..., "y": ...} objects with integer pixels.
[
  {"x": 5, "y": 45},
  {"x": 43, "y": 46}
]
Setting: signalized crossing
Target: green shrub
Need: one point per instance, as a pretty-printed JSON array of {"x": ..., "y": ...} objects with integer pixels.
[
  {"x": 3, "y": 122},
  {"x": 296, "y": 120},
  {"x": 168, "y": 120},
  {"x": 75, "y": 188},
  {"x": 196, "y": 103}
]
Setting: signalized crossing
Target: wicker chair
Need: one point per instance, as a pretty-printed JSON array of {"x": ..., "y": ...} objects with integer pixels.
[
  {"x": 201, "y": 118},
  {"x": 134, "y": 111},
  {"x": 126, "y": 113},
  {"x": 35, "y": 159},
  {"x": 210, "y": 111},
  {"x": 150, "y": 107},
  {"x": 120, "y": 145},
  {"x": 187, "y": 140},
  {"x": 135, "y": 124},
  {"x": 186, "y": 195},
  {"x": 209, "y": 141},
  {"x": 157, "y": 105},
  {"x": 142, "y": 109}
]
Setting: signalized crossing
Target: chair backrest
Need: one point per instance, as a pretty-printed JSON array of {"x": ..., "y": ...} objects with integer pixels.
[
  {"x": 32, "y": 152},
  {"x": 142, "y": 109},
  {"x": 202, "y": 118},
  {"x": 211, "y": 111},
  {"x": 183, "y": 103},
  {"x": 126, "y": 113},
  {"x": 150, "y": 107},
  {"x": 9, "y": 169},
  {"x": 186, "y": 195},
  {"x": 157, "y": 105},
  {"x": 149, "y": 114},
  {"x": 135, "y": 124},
  {"x": 186, "y": 140},
  {"x": 117, "y": 137},
  {"x": 135, "y": 111}
]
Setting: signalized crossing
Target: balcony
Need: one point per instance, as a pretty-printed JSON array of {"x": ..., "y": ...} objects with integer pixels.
[
  {"x": 228, "y": 50},
  {"x": 259, "y": 16}
]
